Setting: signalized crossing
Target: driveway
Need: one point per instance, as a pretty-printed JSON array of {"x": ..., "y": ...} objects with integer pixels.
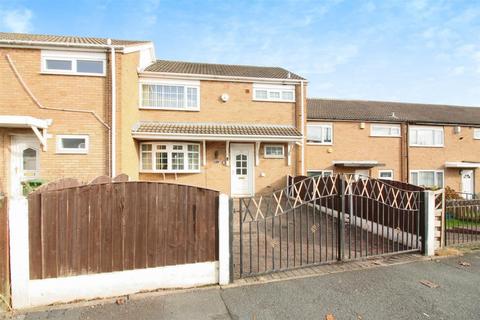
[{"x": 393, "y": 292}]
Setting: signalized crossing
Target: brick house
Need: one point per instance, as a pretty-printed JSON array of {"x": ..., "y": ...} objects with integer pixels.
[
  {"x": 237, "y": 129},
  {"x": 431, "y": 145}
]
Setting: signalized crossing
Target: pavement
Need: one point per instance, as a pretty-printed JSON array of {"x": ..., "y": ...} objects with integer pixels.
[{"x": 443, "y": 288}]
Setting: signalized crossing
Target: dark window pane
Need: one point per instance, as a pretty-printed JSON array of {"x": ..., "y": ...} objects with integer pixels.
[
  {"x": 89, "y": 66},
  {"x": 73, "y": 143},
  {"x": 59, "y": 65}
]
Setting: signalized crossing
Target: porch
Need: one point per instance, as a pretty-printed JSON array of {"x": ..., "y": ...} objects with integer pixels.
[{"x": 239, "y": 160}]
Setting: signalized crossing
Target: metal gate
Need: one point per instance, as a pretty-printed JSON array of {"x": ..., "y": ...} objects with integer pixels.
[
  {"x": 462, "y": 221},
  {"x": 323, "y": 219}
]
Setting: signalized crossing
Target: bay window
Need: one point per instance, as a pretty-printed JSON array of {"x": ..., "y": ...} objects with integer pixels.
[
  {"x": 169, "y": 157},
  {"x": 427, "y": 178},
  {"x": 426, "y": 136}
]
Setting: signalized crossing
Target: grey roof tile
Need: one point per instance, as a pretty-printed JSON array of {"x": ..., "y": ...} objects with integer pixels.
[
  {"x": 222, "y": 70},
  {"x": 332, "y": 109}
]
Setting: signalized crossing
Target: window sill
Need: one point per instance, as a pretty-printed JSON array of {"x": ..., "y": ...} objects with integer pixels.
[
  {"x": 59, "y": 73},
  {"x": 169, "y": 171},
  {"x": 378, "y": 136},
  {"x": 269, "y": 100},
  {"x": 424, "y": 146},
  {"x": 72, "y": 152},
  {"x": 319, "y": 144},
  {"x": 169, "y": 109},
  {"x": 274, "y": 157}
]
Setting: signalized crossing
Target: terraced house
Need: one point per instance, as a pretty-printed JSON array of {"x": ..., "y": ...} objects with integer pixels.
[
  {"x": 84, "y": 107},
  {"x": 428, "y": 145}
]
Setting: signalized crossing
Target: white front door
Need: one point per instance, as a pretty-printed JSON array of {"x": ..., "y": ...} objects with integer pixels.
[
  {"x": 25, "y": 162},
  {"x": 467, "y": 183},
  {"x": 241, "y": 156}
]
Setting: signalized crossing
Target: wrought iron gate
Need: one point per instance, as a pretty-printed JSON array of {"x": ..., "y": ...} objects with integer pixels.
[{"x": 324, "y": 219}]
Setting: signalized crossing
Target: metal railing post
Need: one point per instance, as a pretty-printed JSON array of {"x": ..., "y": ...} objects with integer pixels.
[{"x": 340, "y": 222}]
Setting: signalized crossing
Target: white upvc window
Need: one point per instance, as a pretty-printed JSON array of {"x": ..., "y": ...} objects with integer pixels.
[
  {"x": 170, "y": 95},
  {"x": 72, "y": 143},
  {"x": 385, "y": 130},
  {"x": 280, "y": 93},
  {"x": 322, "y": 173},
  {"x": 421, "y": 136},
  {"x": 169, "y": 157},
  {"x": 476, "y": 133},
  {"x": 427, "y": 178},
  {"x": 73, "y": 63},
  {"x": 385, "y": 174},
  {"x": 320, "y": 133},
  {"x": 274, "y": 151}
]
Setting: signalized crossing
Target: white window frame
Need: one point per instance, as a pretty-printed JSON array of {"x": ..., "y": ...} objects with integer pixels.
[
  {"x": 322, "y": 125},
  {"x": 168, "y": 82},
  {"x": 169, "y": 149},
  {"x": 386, "y": 171},
  {"x": 434, "y": 176},
  {"x": 385, "y": 126},
  {"x": 476, "y": 133},
  {"x": 273, "y": 88},
  {"x": 72, "y": 56},
  {"x": 412, "y": 128},
  {"x": 322, "y": 172},
  {"x": 273, "y": 156},
  {"x": 62, "y": 150}
]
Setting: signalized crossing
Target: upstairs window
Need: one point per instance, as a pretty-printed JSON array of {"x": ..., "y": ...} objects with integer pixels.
[
  {"x": 72, "y": 144},
  {"x": 426, "y": 136},
  {"x": 72, "y": 62},
  {"x": 170, "y": 157},
  {"x": 320, "y": 133},
  {"x": 476, "y": 133},
  {"x": 385, "y": 130},
  {"x": 170, "y": 96},
  {"x": 427, "y": 178},
  {"x": 280, "y": 93}
]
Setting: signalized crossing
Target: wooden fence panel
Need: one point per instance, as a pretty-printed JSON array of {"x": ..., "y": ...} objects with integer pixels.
[
  {"x": 4, "y": 254},
  {"x": 115, "y": 226}
]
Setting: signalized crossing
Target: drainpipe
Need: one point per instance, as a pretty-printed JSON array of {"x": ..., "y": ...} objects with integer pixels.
[
  {"x": 114, "y": 111},
  {"x": 302, "y": 128}
]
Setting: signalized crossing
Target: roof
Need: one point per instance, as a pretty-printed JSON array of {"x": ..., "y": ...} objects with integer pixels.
[
  {"x": 73, "y": 40},
  {"x": 226, "y": 70},
  {"x": 199, "y": 130},
  {"x": 331, "y": 109}
]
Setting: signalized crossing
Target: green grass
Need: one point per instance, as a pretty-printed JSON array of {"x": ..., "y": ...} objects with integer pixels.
[{"x": 455, "y": 223}]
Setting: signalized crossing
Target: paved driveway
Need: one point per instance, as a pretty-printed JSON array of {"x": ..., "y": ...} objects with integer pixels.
[{"x": 393, "y": 292}]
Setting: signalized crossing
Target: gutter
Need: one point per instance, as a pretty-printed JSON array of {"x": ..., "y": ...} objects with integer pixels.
[{"x": 60, "y": 44}]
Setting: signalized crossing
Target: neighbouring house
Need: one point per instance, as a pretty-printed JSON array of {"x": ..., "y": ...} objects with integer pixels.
[
  {"x": 428, "y": 145},
  {"x": 68, "y": 109}
]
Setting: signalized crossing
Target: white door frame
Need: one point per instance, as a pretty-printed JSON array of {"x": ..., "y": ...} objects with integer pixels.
[
  {"x": 250, "y": 169},
  {"x": 472, "y": 181},
  {"x": 17, "y": 145}
]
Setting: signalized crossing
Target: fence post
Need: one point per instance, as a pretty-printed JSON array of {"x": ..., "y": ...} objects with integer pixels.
[
  {"x": 19, "y": 252},
  {"x": 428, "y": 241},
  {"x": 224, "y": 240},
  {"x": 340, "y": 222}
]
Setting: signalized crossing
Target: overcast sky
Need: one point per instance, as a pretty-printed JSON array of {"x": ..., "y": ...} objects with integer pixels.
[{"x": 416, "y": 51}]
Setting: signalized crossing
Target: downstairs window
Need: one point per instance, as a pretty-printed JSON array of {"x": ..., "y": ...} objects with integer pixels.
[{"x": 170, "y": 157}]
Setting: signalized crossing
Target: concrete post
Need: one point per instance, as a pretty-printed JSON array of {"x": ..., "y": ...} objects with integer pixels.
[
  {"x": 224, "y": 240},
  {"x": 429, "y": 232},
  {"x": 19, "y": 252}
]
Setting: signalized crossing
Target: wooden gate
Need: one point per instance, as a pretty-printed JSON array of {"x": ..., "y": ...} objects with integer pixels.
[
  {"x": 324, "y": 219},
  {"x": 115, "y": 226},
  {"x": 4, "y": 255}
]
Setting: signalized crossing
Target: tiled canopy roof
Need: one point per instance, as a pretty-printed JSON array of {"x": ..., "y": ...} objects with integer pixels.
[
  {"x": 222, "y": 70},
  {"x": 65, "y": 39},
  {"x": 329, "y": 109},
  {"x": 212, "y": 129}
]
